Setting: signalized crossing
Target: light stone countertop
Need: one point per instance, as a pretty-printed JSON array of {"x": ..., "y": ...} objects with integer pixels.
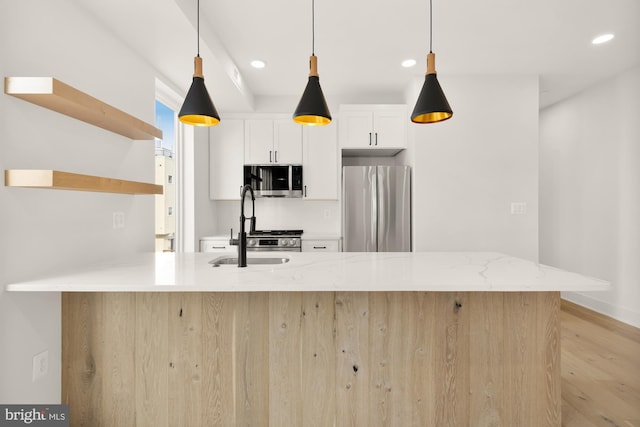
[{"x": 328, "y": 271}]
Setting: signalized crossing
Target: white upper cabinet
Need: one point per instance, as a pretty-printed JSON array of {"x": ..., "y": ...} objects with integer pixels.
[
  {"x": 287, "y": 142},
  {"x": 269, "y": 141},
  {"x": 320, "y": 166},
  {"x": 226, "y": 159},
  {"x": 373, "y": 127},
  {"x": 258, "y": 141}
]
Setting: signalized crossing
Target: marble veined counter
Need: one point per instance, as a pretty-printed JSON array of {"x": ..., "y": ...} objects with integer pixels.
[{"x": 342, "y": 271}]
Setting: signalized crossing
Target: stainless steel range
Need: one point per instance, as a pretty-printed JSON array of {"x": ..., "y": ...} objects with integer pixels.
[{"x": 274, "y": 240}]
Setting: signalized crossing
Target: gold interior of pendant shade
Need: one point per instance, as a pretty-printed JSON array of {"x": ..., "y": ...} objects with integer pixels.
[
  {"x": 197, "y": 120},
  {"x": 431, "y": 117},
  {"x": 312, "y": 120}
]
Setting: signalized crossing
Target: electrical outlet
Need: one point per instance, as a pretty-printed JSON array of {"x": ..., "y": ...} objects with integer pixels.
[
  {"x": 118, "y": 220},
  {"x": 40, "y": 365},
  {"x": 518, "y": 208}
]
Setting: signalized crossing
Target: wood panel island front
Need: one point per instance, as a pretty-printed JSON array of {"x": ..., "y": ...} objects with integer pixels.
[{"x": 331, "y": 339}]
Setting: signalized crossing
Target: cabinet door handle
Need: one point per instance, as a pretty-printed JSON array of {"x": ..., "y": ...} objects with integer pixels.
[
  {"x": 276, "y": 156},
  {"x": 305, "y": 191},
  {"x": 218, "y": 247},
  {"x": 376, "y": 139},
  {"x": 319, "y": 247},
  {"x": 369, "y": 138},
  {"x": 270, "y": 161}
]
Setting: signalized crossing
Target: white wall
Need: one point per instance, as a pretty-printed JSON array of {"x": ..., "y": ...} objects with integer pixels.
[
  {"x": 468, "y": 170},
  {"x": 48, "y": 230},
  {"x": 590, "y": 191}
]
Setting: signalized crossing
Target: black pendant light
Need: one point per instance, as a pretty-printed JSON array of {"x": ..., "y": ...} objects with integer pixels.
[
  {"x": 312, "y": 109},
  {"x": 432, "y": 105},
  {"x": 198, "y": 110}
]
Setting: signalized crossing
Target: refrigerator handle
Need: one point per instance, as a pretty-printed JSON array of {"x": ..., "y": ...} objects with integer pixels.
[
  {"x": 373, "y": 193},
  {"x": 369, "y": 138},
  {"x": 383, "y": 205}
]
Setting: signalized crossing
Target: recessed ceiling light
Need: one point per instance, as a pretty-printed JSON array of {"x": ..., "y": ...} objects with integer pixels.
[
  {"x": 602, "y": 39},
  {"x": 408, "y": 63},
  {"x": 258, "y": 64}
]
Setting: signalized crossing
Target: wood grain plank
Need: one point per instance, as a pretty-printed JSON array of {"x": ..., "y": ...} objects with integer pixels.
[
  {"x": 420, "y": 318},
  {"x": 401, "y": 354},
  {"x": 379, "y": 367},
  {"x": 185, "y": 359},
  {"x": 521, "y": 360},
  {"x": 119, "y": 387},
  {"x": 285, "y": 316},
  {"x": 451, "y": 359},
  {"x": 83, "y": 352},
  {"x": 352, "y": 359},
  {"x": 252, "y": 360},
  {"x": 318, "y": 359},
  {"x": 152, "y": 359},
  {"x": 548, "y": 359},
  {"x": 486, "y": 347},
  {"x": 218, "y": 348}
]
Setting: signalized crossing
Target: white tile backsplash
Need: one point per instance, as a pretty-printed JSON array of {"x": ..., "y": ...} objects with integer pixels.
[{"x": 311, "y": 216}]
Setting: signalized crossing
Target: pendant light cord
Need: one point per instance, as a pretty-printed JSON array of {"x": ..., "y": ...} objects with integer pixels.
[
  {"x": 313, "y": 27},
  {"x": 430, "y": 26},
  {"x": 198, "y": 27}
]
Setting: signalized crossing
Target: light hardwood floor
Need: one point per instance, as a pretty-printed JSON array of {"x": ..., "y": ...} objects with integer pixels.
[{"x": 600, "y": 365}]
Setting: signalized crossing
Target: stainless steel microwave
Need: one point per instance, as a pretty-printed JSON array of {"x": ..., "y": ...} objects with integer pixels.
[{"x": 274, "y": 180}]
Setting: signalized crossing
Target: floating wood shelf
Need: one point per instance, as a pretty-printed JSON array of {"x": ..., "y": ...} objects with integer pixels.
[
  {"x": 57, "y": 96},
  {"x": 72, "y": 181}
]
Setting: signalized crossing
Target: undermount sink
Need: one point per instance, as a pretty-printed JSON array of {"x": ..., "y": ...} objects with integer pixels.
[{"x": 225, "y": 260}]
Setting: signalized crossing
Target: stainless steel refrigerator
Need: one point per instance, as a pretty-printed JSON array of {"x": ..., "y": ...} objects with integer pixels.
[{"x": 376, "y": 210}]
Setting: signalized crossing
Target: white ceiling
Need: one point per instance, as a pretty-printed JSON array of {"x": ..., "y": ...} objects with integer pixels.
[{"x": 360, "y": 43}]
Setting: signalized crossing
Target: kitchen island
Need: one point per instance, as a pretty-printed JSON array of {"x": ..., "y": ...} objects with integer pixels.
[{"x": 344, "y": 339}]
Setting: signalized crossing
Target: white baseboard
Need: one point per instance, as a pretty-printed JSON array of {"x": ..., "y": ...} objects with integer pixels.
[{"x": 619, "y": 313}]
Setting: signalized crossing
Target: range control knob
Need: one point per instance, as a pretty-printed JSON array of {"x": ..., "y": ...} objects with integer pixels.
[
  {"x": 284, "y": 242},
  {"x": 252, "y": 242},
  {"x": 292, "y": 242}
]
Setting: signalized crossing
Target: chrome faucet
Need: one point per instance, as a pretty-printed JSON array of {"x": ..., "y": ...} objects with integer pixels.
[{"x": 241, "y": 241}]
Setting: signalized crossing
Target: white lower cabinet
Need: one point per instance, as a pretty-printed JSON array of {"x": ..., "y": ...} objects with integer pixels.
[
  {"x": 324, "y": 245},
  {"x": 217, "y": 245}
]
